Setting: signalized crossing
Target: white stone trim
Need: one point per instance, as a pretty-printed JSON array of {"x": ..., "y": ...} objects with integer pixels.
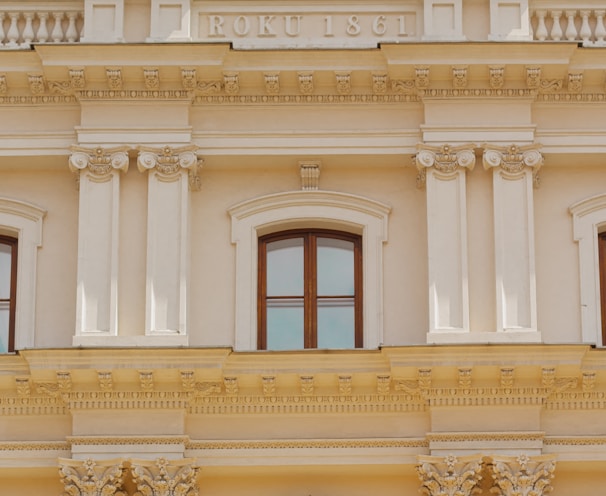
[
  {"x": 109, "y": 34},
  {"x": 254, "y": 218},
  {"x": 588, "y": 219},
  {"x": 157, "y": 21},
  {"x": 24, "y": 220},
  {"x": 497, "y": 17},
  {"x": 434, "y": 15}
]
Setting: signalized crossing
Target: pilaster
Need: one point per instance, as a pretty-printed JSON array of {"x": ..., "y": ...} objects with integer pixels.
[
  {"x": 162, "y": 477},
  {"x": 172, "y": 171},
  {"x": 449, "y": 476},
  {"x": 92, "y": 478},
  {"x": 98, "y": 171},
  {"x": 515, "y": 172},
  {"x": 442, "y": 170}
]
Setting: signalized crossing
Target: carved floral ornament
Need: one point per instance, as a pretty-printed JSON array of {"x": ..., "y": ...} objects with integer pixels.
[
  {"x": 160, "y": 477},
  {"x": 461, "y": 476},
  {"x": 514, "y": 159},
  {"x": 99, "y": 161},
  {"x": 169, "y": 161},
  {"x": 445, "y": 159}
]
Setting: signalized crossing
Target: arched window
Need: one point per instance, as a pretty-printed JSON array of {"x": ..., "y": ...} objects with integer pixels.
[
  {"x": 310, "y": 290},
  {"x": 309, "y": 211},
  {"x": 8, "y": 292}
]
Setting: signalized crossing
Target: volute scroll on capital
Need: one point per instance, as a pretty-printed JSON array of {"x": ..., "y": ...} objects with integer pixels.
[
  {"x": 162, "y": 477},
  {"x": 92, "y": 478},
  {"x": 100, "y": 162},
  {"x": 446, "y": 159},
  {"x": 514, "y": 159},
  {"x": 524, "y": 475},
  {"x": 169, "y": 161},
  {"x": 450, "y": 476}
]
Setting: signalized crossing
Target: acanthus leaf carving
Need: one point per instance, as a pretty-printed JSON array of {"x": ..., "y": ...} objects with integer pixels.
[
  {"x": 449, "y": 476},
  {"x": 164, "y": 477},
  {"x": 522, "y": 475},
  {"x": 92, "y": 478}
]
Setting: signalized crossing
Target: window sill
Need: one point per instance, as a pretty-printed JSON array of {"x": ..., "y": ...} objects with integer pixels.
[
  {"x": 130, "y": 341},
  {"x": 497, "y": 337}
]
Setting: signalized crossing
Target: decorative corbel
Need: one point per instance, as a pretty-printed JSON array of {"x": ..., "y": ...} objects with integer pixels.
[
  {"x": 575, "y": 82},
  {"x": 379, "y": 83},
  {"x": 497, "y": 77},
  {"x": 310, "y": 174},
  {"x": 151, "y": 78},
  {"x": 343, "y": 81},
  {"x": 37, "y": 85},
  {"x": 231, "y": 83},
  {"x": 306, "y": 82},
  {"x": 114, "y": 78},
  {"x": 188, "y": 78},
  {"x": 459, "y": 77},
  {"x": 272, "y": 83}
]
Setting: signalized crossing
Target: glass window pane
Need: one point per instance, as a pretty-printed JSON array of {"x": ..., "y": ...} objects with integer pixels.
[
  {"x": 5, "y": 271},
  {"x": 4, "y": 315},
  {"x": 285, "y": 324},
  {"x": 335, "y": 267},
  {"x": 285, "y": 267},
  {"x": 336, "y": 323}
]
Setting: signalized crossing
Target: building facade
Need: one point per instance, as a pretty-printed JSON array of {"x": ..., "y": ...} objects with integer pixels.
[{"x": 298, "y": 248}]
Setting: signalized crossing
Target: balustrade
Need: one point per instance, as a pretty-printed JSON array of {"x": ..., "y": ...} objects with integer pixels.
[
  {"x": 19, "y": 28},
  {"x": 570, "y": 24}
]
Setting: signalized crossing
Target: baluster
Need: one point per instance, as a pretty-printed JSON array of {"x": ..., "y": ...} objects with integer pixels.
[
  {"x": 71, "y": 33},
  {"x": 57, "y": 34},
  {"x": 28, "y": 30},
  {"x": 585, "y": 32},
  {"x": 600, "y": 31},
  {"x": 2, "y": 28},
  {"x": 42, "y": 35},
  {"x": 541, "y": 32},
  {"x": 13, "y": 30},
  {"x": 571, "y": 29},
  {"x": 556, "y": 30}
]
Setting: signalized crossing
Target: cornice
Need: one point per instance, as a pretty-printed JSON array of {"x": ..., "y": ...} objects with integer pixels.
[
  {"x": 308, "y": 444},
  {"x": 463, "y": 437}
]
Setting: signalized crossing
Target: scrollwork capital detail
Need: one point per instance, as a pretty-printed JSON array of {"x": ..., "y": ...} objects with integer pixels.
[
  {"x": 164, "y": 477},
  {"x": 522, "y": 475},
  {"x": 92, "y": 478},
  {"x": 449, "y": 476},
  {"x": 169, "y": 161},
  {"x": 513, "y": 159},
  {"x": 101, "y": 162},
  {"x": 446, "y": 159}
]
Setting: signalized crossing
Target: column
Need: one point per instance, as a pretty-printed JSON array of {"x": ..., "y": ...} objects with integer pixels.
[
  {"x": 451, "y": 475},
  {"x": 92, "y": 478},
  {"x": 515, "y": 171},
  {"x": 171, "y": 173},
  {"x": 442, "y": 169},
  {"x": 98, "y": 172},
  {"x": 162, "y": 477},
  {"x": 522, "y": 475}
]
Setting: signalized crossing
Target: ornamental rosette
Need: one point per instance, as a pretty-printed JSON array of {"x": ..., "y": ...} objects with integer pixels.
[{"x": 450, "y": 476}]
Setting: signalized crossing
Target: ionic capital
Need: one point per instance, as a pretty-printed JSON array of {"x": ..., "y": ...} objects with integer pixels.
[
  {"x": 513, "y": 159},
  {"x": 525, "y": 475},
  {"x": 168, "y": 161},
  {"x": 449, "y": 476},
  {"x": 164, "y": 477},
  {"x": 446, "y": 159},
  {"x": 101, "y": 162},
  {"x": 92, "y": 478}
]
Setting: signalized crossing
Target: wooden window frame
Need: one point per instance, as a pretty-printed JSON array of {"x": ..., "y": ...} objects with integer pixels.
[
  {"x": 12, "y": 299},
  {"x": 310, "y": 296}
]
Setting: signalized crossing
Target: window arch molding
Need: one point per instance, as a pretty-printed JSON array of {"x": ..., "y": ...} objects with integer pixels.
[
  {"x": 589, "y": 219},
  {"x": 23, "y": 220},
  {"x": 304, "y": 209}
]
